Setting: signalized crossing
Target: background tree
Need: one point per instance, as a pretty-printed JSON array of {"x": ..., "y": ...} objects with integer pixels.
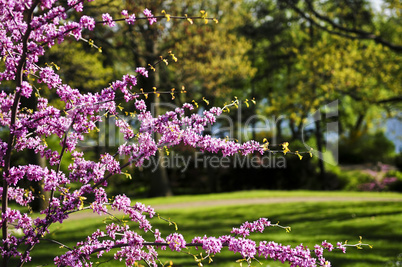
[
  {"x": 302, "y": 66},
  {"x": 212, "y": 63}
]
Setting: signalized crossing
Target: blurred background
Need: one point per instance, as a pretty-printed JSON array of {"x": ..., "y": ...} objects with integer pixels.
[{"x": 294, "y": 58}]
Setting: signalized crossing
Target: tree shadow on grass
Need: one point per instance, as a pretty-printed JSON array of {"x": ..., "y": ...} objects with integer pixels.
[{"x": 311, "y": 224}]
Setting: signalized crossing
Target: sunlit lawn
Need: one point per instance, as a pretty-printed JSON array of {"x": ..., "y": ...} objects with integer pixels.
[{"x": 379, "y": 223}]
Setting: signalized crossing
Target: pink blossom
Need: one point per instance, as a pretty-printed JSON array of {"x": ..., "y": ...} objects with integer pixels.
[
  {"x": 142, "y": 71},
  {"x": 150, "y": 16},
  {"x": 87, "y": 22},
  {"x": 25, "y": 89},
  {"x": 108, "y": 20},
  {"x": 176, "y": 242}
]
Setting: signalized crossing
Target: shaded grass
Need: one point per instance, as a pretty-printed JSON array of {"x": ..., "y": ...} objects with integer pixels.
[{"x": 378, "y": 222}]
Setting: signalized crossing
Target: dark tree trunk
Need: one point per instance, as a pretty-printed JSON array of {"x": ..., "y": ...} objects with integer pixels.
[
  {"x": 159, "y": 185},
  {"x": 278, "y": 136},
  {"x": 318, "y": 136},
  {"x": 41, "y": 200}
]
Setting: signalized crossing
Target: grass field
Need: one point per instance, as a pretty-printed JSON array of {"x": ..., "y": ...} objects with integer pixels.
[{"x": 378, "y": 222}]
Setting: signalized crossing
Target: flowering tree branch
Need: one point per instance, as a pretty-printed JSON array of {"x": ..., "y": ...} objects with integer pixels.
[
  {"x": 11, "y": 139},
  {"x": 23, "y": 36}
]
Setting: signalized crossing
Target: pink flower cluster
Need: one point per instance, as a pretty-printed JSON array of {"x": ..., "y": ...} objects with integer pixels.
[
  {"x": 131, "y": 247},
  {"x": 298, "y": 256},
  {"x": 210, "y": 245},
  {"x": 108, "y": 20},
  {"x": 176, "y": 242},
  {"x": 246, "y": 228},
  {"x": 130, "y": 19},
  {"x": 149, "y": 15}
]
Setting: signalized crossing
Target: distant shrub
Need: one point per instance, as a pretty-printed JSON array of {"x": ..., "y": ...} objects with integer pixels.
[
  {"x": 353, "y": 179},
  {"x": 380, "y": 178}
]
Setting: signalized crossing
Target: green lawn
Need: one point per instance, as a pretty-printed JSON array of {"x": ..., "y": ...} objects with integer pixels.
[
  {"x": 380, "y": 224},
  {"x": 268, "y": 194}
]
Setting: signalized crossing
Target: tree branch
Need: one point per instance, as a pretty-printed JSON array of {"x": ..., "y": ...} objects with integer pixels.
[
  {"x": 341, "y": 30},
  {"x": 7, "y": 160},
  {"x": 396, "y": 99}
]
